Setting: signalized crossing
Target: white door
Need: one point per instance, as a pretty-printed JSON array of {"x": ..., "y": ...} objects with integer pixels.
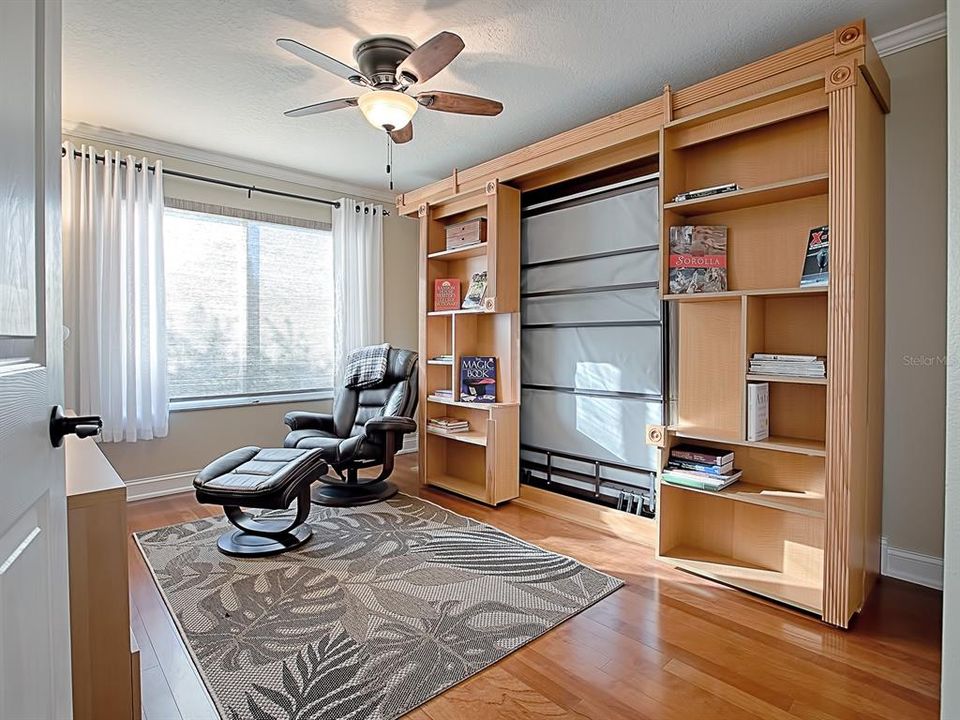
[{"x": 34, "y": 608}]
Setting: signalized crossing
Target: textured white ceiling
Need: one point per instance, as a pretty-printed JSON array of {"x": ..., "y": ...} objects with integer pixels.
[{"x": 206, "y": 73}]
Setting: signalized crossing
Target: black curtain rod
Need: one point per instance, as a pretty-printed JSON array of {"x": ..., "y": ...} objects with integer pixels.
[{"x": 214, "y": 181}]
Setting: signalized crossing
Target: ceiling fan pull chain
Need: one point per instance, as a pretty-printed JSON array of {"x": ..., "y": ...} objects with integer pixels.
[{"x": 390, "y": 159}]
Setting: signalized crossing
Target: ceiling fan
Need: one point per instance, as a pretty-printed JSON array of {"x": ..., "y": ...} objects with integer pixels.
[{"x": 388, "y": 68}]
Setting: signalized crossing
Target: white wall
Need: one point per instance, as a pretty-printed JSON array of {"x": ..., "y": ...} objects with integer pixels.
[
  {"x": 915, "y": 303},
  {"x": 950, "y": 696},
  {"x": 198, "y": 436}
]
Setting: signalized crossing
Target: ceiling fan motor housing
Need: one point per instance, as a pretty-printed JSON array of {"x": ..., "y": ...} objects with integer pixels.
[{"x": 378, "y": 58}]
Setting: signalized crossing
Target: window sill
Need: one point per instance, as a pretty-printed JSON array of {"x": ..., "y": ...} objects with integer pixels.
[{"x": 244, "y": 401}]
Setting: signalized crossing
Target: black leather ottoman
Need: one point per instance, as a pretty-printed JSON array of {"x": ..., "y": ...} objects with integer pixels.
[{"x": 267, "y": 479}]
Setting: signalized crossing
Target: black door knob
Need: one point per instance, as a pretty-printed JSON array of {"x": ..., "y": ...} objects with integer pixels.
[{"x": 82, "y": 426}]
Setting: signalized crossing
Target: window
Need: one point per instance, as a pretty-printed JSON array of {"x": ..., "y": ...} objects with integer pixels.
[{"x": 249, "y": 309}]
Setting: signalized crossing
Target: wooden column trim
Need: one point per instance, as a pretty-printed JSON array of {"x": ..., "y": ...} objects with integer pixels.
[
  {"x": 849, "y": 37},
  {"x": 841, "y": 75},
  {"x": 840, "y": 348},
  {"x": 423, "y": 214},
  {"x": 667, "y": 104}
]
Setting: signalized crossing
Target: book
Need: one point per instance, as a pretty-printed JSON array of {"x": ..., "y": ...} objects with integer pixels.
[
  {"x": 701, "y": 454},
  {"x": 698, "y": 480},
  {"x": 446, "y": 294},
  {"x": 478, "y": 378},
  {"x": 448, "y": 424},
  {"x": 816, "y": 265},
  {"x": 758, "y": 411},
  {"x": 698, "y": 259},
  {"x": 703, "y": 467},
  {"x": 809, "y": 366},
  {"x": 476, "y": 291},
  {"x": 798, "y": 371},
  {"x": 705, "y": 192},
  {"x": 784, "y": 358}
]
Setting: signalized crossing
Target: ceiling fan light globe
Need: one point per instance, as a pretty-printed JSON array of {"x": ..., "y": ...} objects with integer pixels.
[{"x": 387, "y": 108}]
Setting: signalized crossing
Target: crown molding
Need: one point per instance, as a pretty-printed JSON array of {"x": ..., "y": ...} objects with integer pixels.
[
  {"x": 918, "y": 33},
  {"x": 334, "y": 189}
]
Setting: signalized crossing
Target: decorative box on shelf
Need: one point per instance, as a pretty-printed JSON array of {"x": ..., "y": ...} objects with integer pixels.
[{"x": 466, "y": 233}]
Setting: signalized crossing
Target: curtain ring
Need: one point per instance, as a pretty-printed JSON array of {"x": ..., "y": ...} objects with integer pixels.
[
  {"x": 357, "y": 208},
  {"x": 366, "y": 211}
]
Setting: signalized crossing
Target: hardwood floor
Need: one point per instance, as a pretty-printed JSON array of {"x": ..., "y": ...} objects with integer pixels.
[{"x": 667, "y": 646}]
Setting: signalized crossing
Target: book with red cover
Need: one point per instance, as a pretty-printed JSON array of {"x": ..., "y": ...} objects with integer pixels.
[
  {"x": 698, "y": 259},
  {"x": 446, "y": 294}
]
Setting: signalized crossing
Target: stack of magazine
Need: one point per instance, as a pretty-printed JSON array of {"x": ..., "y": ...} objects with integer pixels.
[
  {"x": 448, "y": 425},
  {"x": 443, "y": 394},
  {"x": 803, "y": 366},
  {"x": 700, "y": 468}
]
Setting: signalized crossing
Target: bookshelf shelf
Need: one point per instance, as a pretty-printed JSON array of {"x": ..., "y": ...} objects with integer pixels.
[
  {"x": 803, "y": 593},
  {"x": 461, "y": 486},
  {"x": 774, "y": 192},
  {"x": 798, "y": 446},
  {"x": 472, "y": 406},
  {"x": 444, "y": 313},
  {"x": 474, "y": 437},
  {"x": 803, "y": 502},
  {"x": 754, "y": 377},
  {"x": 733, "y": 294},
  {"x": 468, "y": 251}
]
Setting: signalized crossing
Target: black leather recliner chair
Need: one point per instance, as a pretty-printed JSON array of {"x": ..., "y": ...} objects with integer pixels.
[{"x": 365, "y": 430}]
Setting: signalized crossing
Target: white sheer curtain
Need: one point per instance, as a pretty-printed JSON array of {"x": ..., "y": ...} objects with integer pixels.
[
  {"x": 116, "y": 359},
  {"x": 357, "y": 278}
]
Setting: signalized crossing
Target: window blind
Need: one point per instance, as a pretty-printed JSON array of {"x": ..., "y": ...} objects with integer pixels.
[{"x": 249, "y": 306}]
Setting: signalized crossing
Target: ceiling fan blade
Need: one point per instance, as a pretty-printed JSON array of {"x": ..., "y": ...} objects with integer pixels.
[
  {"x": 457, "y": 103},
  {"x": 324, "y": 62},
  {"x": 403, "y": 135},
  {"x": 322, "y": 107},
  {"x": 430, "y": 58}
]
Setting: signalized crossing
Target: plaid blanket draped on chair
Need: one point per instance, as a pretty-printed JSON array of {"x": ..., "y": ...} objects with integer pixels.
[{"x": 366, "y": 367}]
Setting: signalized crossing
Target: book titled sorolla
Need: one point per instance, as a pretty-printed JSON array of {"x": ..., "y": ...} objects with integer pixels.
[
  {"x": 478, "y": 379},
  {"x": 816, "y": 265},
  {"x": 446, "y": 294},
  {"x": 698, "y": 259}
]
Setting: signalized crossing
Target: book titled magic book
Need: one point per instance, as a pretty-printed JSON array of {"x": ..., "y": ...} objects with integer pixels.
[
  {"x": 478, "y": 379},
  {"x": 698, "y": 259}
]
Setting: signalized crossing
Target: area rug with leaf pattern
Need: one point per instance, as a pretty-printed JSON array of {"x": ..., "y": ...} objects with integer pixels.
[{"x": 385, "y": 607}]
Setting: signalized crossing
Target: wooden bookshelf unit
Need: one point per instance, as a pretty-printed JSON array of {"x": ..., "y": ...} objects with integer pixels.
[
  {"x": 483, "y": 463},
  {"x": 802, "y": 134},
  {"x": 799, "y": 526}
]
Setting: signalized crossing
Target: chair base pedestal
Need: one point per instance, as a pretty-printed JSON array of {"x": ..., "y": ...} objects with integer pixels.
[
  {"x": 343, "y": 494},
  {"x": 241, "y": 543}
]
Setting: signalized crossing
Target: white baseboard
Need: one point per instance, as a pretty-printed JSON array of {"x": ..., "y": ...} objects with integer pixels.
[
  {"x": 151, "y": 487},
  {"x": 409, "y": 444},
  {"x": 910, "y": 566}
]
